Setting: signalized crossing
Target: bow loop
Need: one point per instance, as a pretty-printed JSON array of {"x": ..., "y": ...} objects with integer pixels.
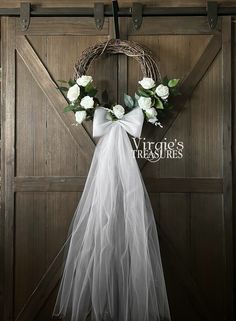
[{"x": 132, "y": 122}]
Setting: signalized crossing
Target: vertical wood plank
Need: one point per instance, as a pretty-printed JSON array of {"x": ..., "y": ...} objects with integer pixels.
[
  {"x": 227, "y": 160},
  {"x": 206, "y": 113},
  {"x": 31, "y": 158},
  {"x": 30, "y": 245},
  {"x": 1, "y": 215},
  {"x": 8, "y": 158},
  {"x": 207, "y": 250}
]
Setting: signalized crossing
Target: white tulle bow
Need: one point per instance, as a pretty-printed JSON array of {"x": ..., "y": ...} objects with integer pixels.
[{"x": 132, "y": 122}]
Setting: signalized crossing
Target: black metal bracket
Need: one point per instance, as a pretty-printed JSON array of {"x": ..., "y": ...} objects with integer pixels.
[
  {"x": 24, "y": 15},
  {"x": 212, "y": 13},
  {"x": 99, "y": 15},
  {"x": 137, "y": 15},
  {"x": 115, "y": 10}
]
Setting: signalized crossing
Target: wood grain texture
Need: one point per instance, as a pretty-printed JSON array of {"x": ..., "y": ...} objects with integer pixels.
[
  {"x": 189, "y": 83},
  {"x": 48, "y": 152},
  {"x": 200, "y": 126},
  {"x": 8, "y": 159},
  {"x": 154, "y": 185},
  {"x": 187, "y": 195},
  {"x": 175, "y": 265},
  {"x": 174, "y": 26},
  {"x": 207, "y": 250},
  {"x": 30, "y": 246},
  {"x": 31, "y": 120},
  {"x": 63, "y": 26},
  {"x": 227, "y": 165},
  {"x": 37, "y": 237},
  {"x": 41, "y": 75},
  {"x": 233, "y": 138}
]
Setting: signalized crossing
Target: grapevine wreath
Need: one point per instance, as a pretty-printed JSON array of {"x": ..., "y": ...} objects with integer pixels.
[{"x": 154, "y": 93}]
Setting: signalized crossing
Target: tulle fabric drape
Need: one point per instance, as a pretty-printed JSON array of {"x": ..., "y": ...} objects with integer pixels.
[{"x": 113, "y": 268}]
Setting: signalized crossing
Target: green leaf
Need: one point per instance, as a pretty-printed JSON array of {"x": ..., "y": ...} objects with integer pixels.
[
  {"x": 173, "y": 82},
  {"x": 143, "y": 93},
  {"x": 88, "y": 87},
  {"x": 159, "y": 104},
  {"x": 90, "y": 90},
  {"x": 128, "y": 101},
  {"x": 149, "y": 92},
  {"x": 79, "y": 108},
  {"x": 71, "y": 82},
  {"x": 165, "y": 81},
  {"x": 63, "y": 88},
  {"x": 63, "y": 81},
  {"x": 68, "y": 108},
  {"x": 136, "y": 98}
]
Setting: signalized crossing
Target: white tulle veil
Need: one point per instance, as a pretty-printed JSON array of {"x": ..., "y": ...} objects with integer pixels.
[{"x": 113, "y": 269}]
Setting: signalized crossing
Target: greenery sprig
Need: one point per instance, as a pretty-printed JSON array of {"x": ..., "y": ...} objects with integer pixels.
[{"x": 153, "y": 98}]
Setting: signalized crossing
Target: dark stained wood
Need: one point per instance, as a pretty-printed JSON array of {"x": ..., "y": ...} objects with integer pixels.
[
  {"x": 30, "y": 244},
  {"x": 174, "y": 26},
  {"x": 174, "y": 262},
  {"x": 233, "y": 71},
  {"x": 184, "y": 185},
  {"x": 30, "y": 156},
  {"x": 200, "y": 68},
  {"x": 187, "y": 87},
  {"x": 206, "y": 114},
  {"x": 154, "y": 185},
  {"x": 46, "y": 83},
  {"x": 227, "y": 159},
  {"x": 8, "y": 159},
  {"x": 50, "y": 184},
  {"x": 70, "y": 26},
  {"x": 206, "y": 239},
  {"x": 187, "y": 197},
  {"x": 43, "y": 289},
  {"x": 203, "y": 150}
]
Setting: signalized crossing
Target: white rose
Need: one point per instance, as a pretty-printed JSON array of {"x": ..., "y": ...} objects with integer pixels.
[
  {"x": 162, "y": 91},
  {"x": 73, "y": 93},
  {"x": 80, "y": 116},
  {"x": 145, "y": 102},
  {"x": 147, "y": 83},
  {"x": 118, "y": 111},
  {"x": 151, "y": 112},
  {"x": 84, "y": 80},
  {"x": 87, "y": 102}
]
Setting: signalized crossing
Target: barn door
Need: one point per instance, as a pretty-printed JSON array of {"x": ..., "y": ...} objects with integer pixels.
[
  {"x": 45, "y": 159},
  {"x": 192, "y": 195}
]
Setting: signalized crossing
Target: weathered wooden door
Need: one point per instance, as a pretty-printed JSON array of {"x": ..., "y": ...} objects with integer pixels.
[{"x": 45, "y": 159}]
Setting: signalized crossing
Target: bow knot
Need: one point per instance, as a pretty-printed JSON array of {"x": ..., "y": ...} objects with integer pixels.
[{"x": 132, "y": 122}]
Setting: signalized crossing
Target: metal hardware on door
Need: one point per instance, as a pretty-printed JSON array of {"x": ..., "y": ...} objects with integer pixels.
[
  {"x": 24, "y": 15},
  {"x": 212, "y": 13},
  {"x": 137, "y": 15},
  {"x": 99, "y": 15},
  {"x": 115, "y": 10}
]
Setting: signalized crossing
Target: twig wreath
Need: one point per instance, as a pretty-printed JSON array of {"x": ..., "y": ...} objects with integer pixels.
[{"x": 153, "y": 95}]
